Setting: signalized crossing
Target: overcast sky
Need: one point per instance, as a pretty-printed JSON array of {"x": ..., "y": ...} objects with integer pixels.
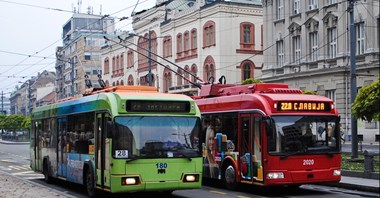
[{"x": 31, "y": 30}]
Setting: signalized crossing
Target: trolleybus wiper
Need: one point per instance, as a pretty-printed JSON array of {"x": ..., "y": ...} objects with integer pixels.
[
  {"x": 293, "y": 153},
  {"x": 131, "y": 159}
]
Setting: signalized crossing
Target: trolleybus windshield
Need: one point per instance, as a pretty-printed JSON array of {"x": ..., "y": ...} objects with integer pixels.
[
  {"x": 156, "y": 136},
  {"x": 292, "y": 135}
]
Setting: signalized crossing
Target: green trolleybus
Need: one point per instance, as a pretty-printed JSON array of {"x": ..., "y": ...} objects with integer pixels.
[{"x": 119, "y": 139}]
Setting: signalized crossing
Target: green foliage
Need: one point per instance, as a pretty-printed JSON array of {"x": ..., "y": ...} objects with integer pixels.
[
  {"x": 251, "y": 81},
  {"x": 26, "y": 124},
  {"x": 358, "y": 164},
  {"x": 310, "y": 92},
  {"x": 13, "y": 122},
  {"x": 366, "y": 105},
  {"x": 2, "y": 121}
]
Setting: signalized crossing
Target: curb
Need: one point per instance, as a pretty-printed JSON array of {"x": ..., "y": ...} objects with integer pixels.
[
  {"x": 354, "y": 187},
  {"x": 8, "y": 142}
]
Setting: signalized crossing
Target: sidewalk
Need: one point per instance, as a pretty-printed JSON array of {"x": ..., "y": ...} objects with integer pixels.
[{"x": 12, "y": 186}]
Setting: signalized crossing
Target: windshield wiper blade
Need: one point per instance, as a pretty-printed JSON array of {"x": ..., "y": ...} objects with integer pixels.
[
  {"x": 293, "y": 153},
  {"x": 131, "y": 159}
]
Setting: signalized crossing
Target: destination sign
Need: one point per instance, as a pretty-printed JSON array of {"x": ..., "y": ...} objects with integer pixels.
[
  {"x": 157, "y": 106},
  {"x": 303, "y": 106}
]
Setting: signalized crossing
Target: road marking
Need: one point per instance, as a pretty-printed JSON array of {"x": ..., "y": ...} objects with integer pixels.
[{"x": 218, "y": 192}]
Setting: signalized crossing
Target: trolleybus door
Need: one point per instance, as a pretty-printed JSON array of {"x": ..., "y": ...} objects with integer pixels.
[
  {"x": 62, "y": 147},
  {"x": 37, "y": 165},
  {"x": 102, "y": 148},
  {"x": 250, "y": 147}
]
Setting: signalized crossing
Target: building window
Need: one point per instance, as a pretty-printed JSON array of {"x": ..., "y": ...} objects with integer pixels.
[
  {"x": 331, "y": 94},
  {"x": 179, "y": 43},
  {"x": 186, "y": 75},
  {"x": 247, "y": 70},
  {"x": 332, "y": 38},
  {"x": 313, "y": 46},
  {"x": 209, "y": 34},
  {"x": 186, "y": 41},
  {"x": 247, "y": 39},
  {"x": 130, "y": 59},
  {"x": 360, "y": 38},
  {"x": 297, "y": 49},
  {"x": 280, "y": 53},
  {"x": 329, "y": 2},
  {"x": 130, "y": 80},
  {"x": 106, "y": 66},
  {"x": 194, "y": 39},
  {"x": 194, "y": 71},
  {"x": 167, "y": 80},
  {"x": 167, "y": 51},
  {"x": 297, "y": 7},
  {"x": 179, "y": 77},
  {"x": 87, "y": 56},
  {"x": 313, "y": 4},
  {"x": 280, "y": 10}
]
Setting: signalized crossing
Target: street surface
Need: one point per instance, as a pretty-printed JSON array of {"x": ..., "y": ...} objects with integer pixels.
[{"x": 14, "y": 160}]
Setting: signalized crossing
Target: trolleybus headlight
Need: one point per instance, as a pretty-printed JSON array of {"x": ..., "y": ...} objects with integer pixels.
[
  {"x": 191, "y": 178},
  {"x": 275, "y": 175},
  {"x": 130, "y": 181},
  {"x": 337, "y": 172}
]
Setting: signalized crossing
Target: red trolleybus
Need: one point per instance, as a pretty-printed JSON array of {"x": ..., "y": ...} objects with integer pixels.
[
  {"x": 268, "y": 134},
  {"x": 119, "y": 139}
]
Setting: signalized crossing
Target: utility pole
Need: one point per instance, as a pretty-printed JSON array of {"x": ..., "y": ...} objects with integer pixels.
[
  {"x": 2, "y": 102},
  {"x": 354, "y": 127},
  {"x": 150, "y": 59}
]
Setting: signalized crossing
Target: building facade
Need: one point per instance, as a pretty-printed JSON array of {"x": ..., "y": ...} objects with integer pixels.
[
  {"x": 184, "y": 42},
  {"x": 80, "y": 57},
  {"x": 307, "y": 45},
  {"x": 32, "y": 93}
]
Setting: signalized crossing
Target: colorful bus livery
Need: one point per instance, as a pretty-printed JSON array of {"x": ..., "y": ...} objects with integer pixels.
[
  {"x": 121, "y": 139},
  {"x": 268, "y": 134}
]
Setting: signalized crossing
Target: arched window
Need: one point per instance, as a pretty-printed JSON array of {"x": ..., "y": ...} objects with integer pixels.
[
  {"x": 130, "y": 80},
  {"x": 179, "y": 43},
  {"x": 167, "y": 80},
  {"x": 106, "y": 66},
  {"x": 209, "y": 68},
  {"x": 247, "y": 68},
  {"x": 209, "y": 34},
  {"x": 186, "y": 75},
  {"x": 194, "y": 71},
  {"x": 179, "y": 77}
]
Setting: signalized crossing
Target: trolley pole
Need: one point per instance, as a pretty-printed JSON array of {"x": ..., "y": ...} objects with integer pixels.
[{"x": 354, "y": 127}]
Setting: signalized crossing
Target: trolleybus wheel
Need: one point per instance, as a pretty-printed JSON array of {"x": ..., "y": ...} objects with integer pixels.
[
  {"x": 45, "y": 171},
  {"x": 90, "y": 182},
  {"x": 229, "y": 177}
]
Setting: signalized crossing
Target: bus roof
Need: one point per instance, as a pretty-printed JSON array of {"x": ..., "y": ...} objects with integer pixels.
[
  {"x": 265, "y": 97},
  {"x": 105, "y": 99}
]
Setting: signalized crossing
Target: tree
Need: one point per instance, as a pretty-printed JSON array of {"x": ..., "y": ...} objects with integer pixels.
[
  {"x": 251, "y": 81},
  {"x": 2, "y": 122},
  {"x": 26, "y": 124},
  {"x": 14, "y": 122},
  {"x": 367, "y": 103}
]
